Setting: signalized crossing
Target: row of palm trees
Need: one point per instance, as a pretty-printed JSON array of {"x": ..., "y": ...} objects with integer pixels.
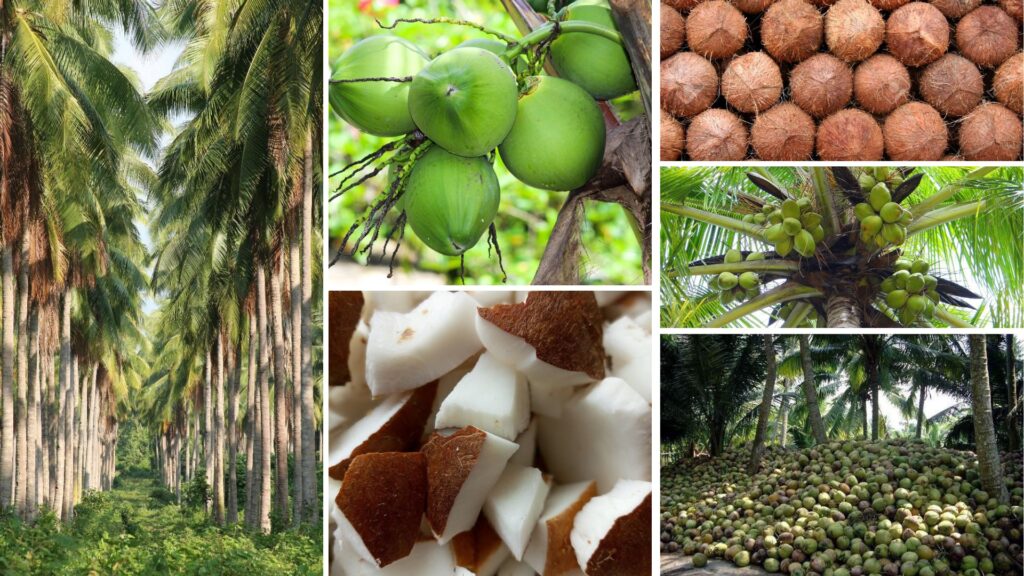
[
  {"x": 236, "y": 254},
  {"x": 802, "y": 390}
]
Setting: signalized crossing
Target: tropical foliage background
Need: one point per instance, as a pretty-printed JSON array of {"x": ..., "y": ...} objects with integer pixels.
[
  {"x": 982, "y": 251},
  {"x": 526, "y": 215},
  {"x": 158, "y": 255}
]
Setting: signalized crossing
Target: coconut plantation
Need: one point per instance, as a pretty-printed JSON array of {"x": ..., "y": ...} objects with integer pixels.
[
  {"x": 159, "y": 252},
  {"x": 841, "y": 455},
  {"x": 838, "y": 247}
]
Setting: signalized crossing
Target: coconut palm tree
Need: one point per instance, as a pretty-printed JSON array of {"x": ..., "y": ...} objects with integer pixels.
[
  {"x": 811, "y": 391},
  {"x": 989, "y": 467},
  {"x": 962, "y": 225},
  {"x": 764, "y": 410}
]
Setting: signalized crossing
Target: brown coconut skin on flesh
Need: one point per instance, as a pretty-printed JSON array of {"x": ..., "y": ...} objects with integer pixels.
[
  {"x": 784, "y": 133},
  {"x": 716, "y": 134},
  {"x": 915, "y": 131},
  {"x": 673, "y": 138},
  {"x": 987, "y": 36},
  {"x": 344, "y": 310},
  {"x": 689, "y": 84},
  {"x": 992, "y": 132},
  {"x": 821, "y": 85},
  {"x": 625, "y": 549},
  {"x": 917, "y": 34},
  {"x": 791, "y": 30},
  {"x": 952, "y": 84},
  {"x": 881, "y": 84},
  {"x": 850, "y": 135}
]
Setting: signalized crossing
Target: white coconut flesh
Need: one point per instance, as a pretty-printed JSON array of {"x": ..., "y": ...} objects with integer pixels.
[
  {"x": 357, "y": 354},
  {"x": 492, "y": 397},
  {"x": 550, "y": 551},
  {"x": 593, "y": 523},
  {"x": 408, "y": 350},
  {"x": 518, "y": 353},
  {"x": 487, "y": 298},
  {"x": 515, "y": 504},
  {"x": 426, "y": 558},
  {"x": 390, "y": 301},
  {"x": 527, "y": 441},
  {"x": 628, "y": 345},
  {"x": 598, "y": 435}
]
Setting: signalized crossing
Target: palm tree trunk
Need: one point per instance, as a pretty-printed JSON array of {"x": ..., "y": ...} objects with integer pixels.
[
  {"x": 34, "y": 415},
  {"x": 842, "y": 311},
  {"x": 782, "y": 424},
  {"x": 280, "y": 395},
  {"x": 922, "y": 393},
  {"x": 811, "y": 392},
  {"x": 71, "y": 438},
  {"x": 309, "y": 491},
  {"x": 876, "y": 423},
  {"x": 21, "y": 412},
  {"x": 251, "y": 414},
  {"x": 7, "y": 446},
  {"x": 218, "y": 437},
  {"x": 1012, "y": 418},
  {"x": 989, "y": 467},
  {"x": 232, "y": 439},
  {"x": 64, "y": 394},
  {"x": 261, "y": 305},
  {"x": 766, "y": 406},
  {"x": 295, "y": 278},
  {"x": 208, "y": 428}
]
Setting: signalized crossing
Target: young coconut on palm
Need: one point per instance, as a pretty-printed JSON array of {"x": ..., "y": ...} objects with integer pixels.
[{"x": 844, "y": 247}]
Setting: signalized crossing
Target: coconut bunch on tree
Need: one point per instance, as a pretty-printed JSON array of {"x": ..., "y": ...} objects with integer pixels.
[
  {"x": 533, "y": 99},
  {"x": 842, "y": 247},
  {"x": 841, "y": 80}
]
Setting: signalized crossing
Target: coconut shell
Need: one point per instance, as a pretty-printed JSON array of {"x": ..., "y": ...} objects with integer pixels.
[
  {"x": 1014, "y": 8},
  {"x": 955, "y": 9},
  {"x": 673, "y": 137},
  {"x": 344, "y": 310},
  {"x": 689, "y": 84},
  {"x": 673, "y": 30},
  {"x": 716, "y": 29},
  {"x": 752, "y": 6},
  {"x": 1008, "y": 83},
  {"x": 784, "y": 133},
  {"x": 917, "y": 34},
  {"x": 752, "y": 82},
  {"x": 881, "y": 84},
  {"x": 854, "y": 30},
  {"x": 915, "y": 131},
  {"x": 987, "y": 36},
  {"x": 716, "y": 135},
  {"x": 888, "y": 4},
  {"x": 682, "y": 6},
  {"x": 850, "y": 135},
  {"x": 791, "y": 30},
  {"x": 991, "y": 132},
  {"x": 821, "y": 85},
  {"x": 952, "y": 84}
]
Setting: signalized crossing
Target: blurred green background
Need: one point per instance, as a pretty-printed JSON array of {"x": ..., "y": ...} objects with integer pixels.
[{"x": 611, "y": 254}]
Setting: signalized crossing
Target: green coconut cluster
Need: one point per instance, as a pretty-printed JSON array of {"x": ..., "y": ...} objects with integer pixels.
[
  {"x": 845, "y": 509},
  {"x": 882, "y": 221},
  {"x": 737, "y": 288},
  {"x": 791, "y": 225},
  {"x": 911, "y": 291},
  {"x": 811, "y": 320},
  {"x": 480, "y": 97}
]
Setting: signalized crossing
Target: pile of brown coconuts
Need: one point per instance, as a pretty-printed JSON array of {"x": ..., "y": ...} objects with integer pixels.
[{"x": 846, "y": 80}]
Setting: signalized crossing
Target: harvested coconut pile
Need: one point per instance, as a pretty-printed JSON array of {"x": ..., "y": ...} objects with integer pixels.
[
  {"x": 841, "y": 80},
  {"x": 490, "y": 433}
]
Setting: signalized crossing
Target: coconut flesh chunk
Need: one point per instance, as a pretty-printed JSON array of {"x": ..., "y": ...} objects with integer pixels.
[
  {"x": 637, "y": 373},
  {"x": 461, "y": 470},
  {"x": 445, "y": 385},
  {"x": 357, "y": 355},
  {"x": 408, "y": 350},
  {"x": 480, "y": 550},
  {"x": 554, "y": 338},
  {"x": 550, "y": 551},
  {"x": 604, "y": 434},
  {"x": 492, "y": 297},
  {"x": 492, "y": 397},
  {"x": 347, "y": 404},
  {"x": 512, "y": 567},
  {"x": 343, "y": 311},
  {"x": 628, "y": 344},
  {"x": 395, "y": 425},
  {"x": 514, "y": 505},
  {"x": 382, "y": 500},
  {"x": 391, "y": 301},
  {"x": 527, "y": 441},
  {"x": 612, "y": 533},
  {"x": 426, "y": 558}
]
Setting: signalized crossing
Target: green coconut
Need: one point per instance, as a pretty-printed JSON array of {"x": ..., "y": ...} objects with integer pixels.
[
  {"x": 450, "y": 200},
  {"x": 732, "y": 256},
  {"x": 465, "y": 101},
  {"x": 804, "y": 243},
  {"x": 557, "y": 139},
  {"x": 891, "y": 212},
  {"x": 863, "y": 210},
  {"x": 879, "y": 196},
  {"x": 380, "y": 108},
  {"x": 598, "y": 65},
  {"x": 749, "y": 280}
]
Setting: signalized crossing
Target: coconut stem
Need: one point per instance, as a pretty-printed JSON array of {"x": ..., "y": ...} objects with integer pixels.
[
  {"x": 372, "y": 79},
  {"x": 751, "y": 266},
  {"x": 552, "y": 29},
  {"x": 784, "y": 293},
  {"x": 797, "y": 315},
  {"x": 454, "y": 21},
  {"x": 950, "y": 319},
  {"x": 727, "y": 222},
  {"x": 948, "y": 191},
  {"x": 944, "y": 216},
  {"x": 829, "y": 216},
  {"x": 492, "y": 240}
]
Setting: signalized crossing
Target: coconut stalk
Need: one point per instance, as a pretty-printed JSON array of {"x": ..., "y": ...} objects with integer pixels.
[
  {"x": 948, "y": 191},
  {"x": 826, "y": 205},
  {"x": 784, "y": 293},
  {"x": 797, "y": 315},
  {"x": 950, "y": 319},
  {"x": 746, "y": 266},
  {"x": 944, "y": 216},
  {"x": 727, "y": 222}
]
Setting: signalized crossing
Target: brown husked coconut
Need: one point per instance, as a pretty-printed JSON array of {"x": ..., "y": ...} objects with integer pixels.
[
  {"x": 917, "y": 34},
  {"x": 1008, "y": 83},
  {"x": 987, "y": 36},
  {"x": 673, "y": 137},
  {"x": 952, "y": 84},
  {"x": 850, "y": 135},
  {"x": 955, "y": 9},
  {"x": 821, "y": 85},
  {"x": 854, "y": 30},
  {"x": 716, "y": 29},
  {"x": 791, "y": 30},
  {"x": 915, "y": 131},
  {"x": 689, "y": 84},
  {"x": 683, "y": 6},
  {"x": 991, "y": 132},
  {"x": 888, "y": 4},
  {"x": 1014, "y": 8},
  {"x": 881, "y": 84},
  {"x": 752, "y": 6},
  {"x": 752, "y": 82},
  {"x": 673, "y": 30},
  {"x": 784, "y": 133},
  {"x": 716, "y": 135}
]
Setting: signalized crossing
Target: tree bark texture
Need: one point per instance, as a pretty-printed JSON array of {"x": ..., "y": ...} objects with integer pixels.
[
  {"x": 811, "y": 392},
  {"x": 989, "y": 467}
]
